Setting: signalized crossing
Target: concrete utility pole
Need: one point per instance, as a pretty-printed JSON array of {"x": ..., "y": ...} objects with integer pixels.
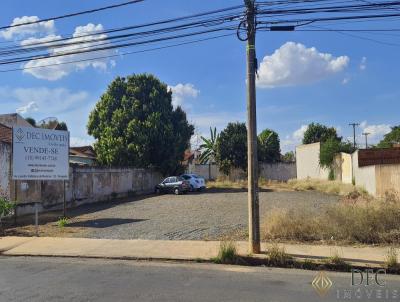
[
  {"x": 252, "y": 164},
  {"x": 366, "y": 139},
  {"x": 354, "y": 133}
]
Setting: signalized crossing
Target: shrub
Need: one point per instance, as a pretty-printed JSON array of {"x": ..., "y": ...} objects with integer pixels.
[
  {"x": 62, "y": 222},
  {"x": 227, "y": 253},
  {"x": 277, "y": 256},
  {"x": 356, "y": 219},
  {"x": 391, "y": 259}
]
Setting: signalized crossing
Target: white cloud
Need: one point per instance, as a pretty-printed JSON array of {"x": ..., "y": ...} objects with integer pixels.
[
  {"x": 363, "y": 64},
  {"x": 376, "y": 132},
  {"x": 181, "y": 92},
  {"x": 72, "y": 107},
  {"x": 46, "y": 27},
  {"x": 299, "y": 133},
  {"x": 345, "y": 81},
  {"x": 294, "y": 64},
  {"x": 60, "y": 69},
  {"x": 33, "y": 40},
  {"x": 30, "y": 107}
]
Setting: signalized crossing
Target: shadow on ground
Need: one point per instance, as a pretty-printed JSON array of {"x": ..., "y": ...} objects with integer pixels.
[{"x": 103, "y": 222}]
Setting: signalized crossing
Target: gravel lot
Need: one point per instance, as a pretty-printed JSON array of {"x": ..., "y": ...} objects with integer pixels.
[{"x": 209, "y": 215}]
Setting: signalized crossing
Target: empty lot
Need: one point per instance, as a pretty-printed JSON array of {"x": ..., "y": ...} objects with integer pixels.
[{"x": 210, "y": 215}]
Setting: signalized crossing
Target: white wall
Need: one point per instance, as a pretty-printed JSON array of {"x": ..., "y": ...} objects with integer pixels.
[
  {"x": 5, "y": 152},
  {"x": 307, "y": 162},
  {"x": 364, "y": 176}
]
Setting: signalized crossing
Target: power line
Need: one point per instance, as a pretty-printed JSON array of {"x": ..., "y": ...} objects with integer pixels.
[
  {"x": 119, "y": 55},
  {"x": 90, "y": 11}
]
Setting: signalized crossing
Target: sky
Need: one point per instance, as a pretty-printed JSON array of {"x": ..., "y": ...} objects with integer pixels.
[{"x": 303, "y": 77}]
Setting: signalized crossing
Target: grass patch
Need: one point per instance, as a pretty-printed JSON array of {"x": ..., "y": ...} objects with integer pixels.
[
  {"x": 391, "y": 262},
  {"x": 278, "y": 257},
  {"x": 62, "y": 222},
  {"x": 227, "y": 253},
  {"x": 337, "y": 262},
  {"x": 330, "y": 187},
  {"x": 357, "y": 218}
]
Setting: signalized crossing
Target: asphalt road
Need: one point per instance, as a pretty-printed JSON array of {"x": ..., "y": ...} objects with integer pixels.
[{"x": 64, "y": 279}]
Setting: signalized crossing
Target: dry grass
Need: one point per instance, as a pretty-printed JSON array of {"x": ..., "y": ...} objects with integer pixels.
[
  {"x": 391, "y": 259},
  {"x": 224, "y": 183},
  {"x": 325, "y": 186},
  {"x": 278, "y": 257},
  {"x": 356, "y": 219}
]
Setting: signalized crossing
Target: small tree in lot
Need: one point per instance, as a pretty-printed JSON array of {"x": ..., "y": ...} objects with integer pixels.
[
  {"x": 319, "y": 133},
  {"x": 232, "y": 148},
  {"x": 269, "y": 149},
  {"x": 209, "y": 147},
  {"x": 6, "y": 208}
]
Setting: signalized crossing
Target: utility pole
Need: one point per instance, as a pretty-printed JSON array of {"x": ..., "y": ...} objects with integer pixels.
[
  {"x": 354, "y": 133},
  {"x": 366, "y": 139},
  {"x": 252, "y": 164}
]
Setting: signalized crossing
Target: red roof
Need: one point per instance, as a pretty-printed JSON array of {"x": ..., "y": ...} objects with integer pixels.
[{"x": 5, "y": 134}]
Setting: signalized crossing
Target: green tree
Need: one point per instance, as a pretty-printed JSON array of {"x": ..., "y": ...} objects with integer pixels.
[
  {"x": 319, "y": 133},
  {"x": 232, "y": 147},
  {"x": 269, "y": 149},
  {"x": 393, "y": 137},
  {"x": 289, "y": 157},
  {"x": 329, "y": 149},
  {"x": 31, "y": 121},
  {"x": 62, "y": 126},
  {"x": 135, "y": 124},
  {"x": 209, "y": 147}
]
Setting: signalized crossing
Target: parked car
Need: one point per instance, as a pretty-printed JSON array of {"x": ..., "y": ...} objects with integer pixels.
[
  {"x": 197, "y": 183},
  {"x": 173, "y": 184}
]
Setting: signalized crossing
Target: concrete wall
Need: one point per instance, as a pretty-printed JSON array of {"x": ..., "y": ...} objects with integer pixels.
[
  {"x": 5, "y": 153},
  {"x": 364, "y": 176},
  {"x": 343, "y": 168},
  {"x": 307, "y": 162},
  {"x": 278, "y": 171},
  {"x": 86, "y": 185},
  {"x": 387, "y": 179},
  {"x": 275, "y": 171}
]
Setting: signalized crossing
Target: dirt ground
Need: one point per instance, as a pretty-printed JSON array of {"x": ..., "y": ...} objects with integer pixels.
[{"x": 211, "y": 215}]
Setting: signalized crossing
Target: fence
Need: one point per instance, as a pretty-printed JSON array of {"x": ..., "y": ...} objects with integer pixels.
[
  {"x": 274, "y": 171},
  {"x": 86, "y": 185}
]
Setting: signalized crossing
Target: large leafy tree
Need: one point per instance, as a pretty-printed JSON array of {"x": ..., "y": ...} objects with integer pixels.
[
  {"x": 135, "y": 124},
  {"x": 232, "y": 147},
  {"x": 393, "y": 137},
  {"x": 319, "y": 133},
  {"x": 269, "y": 149},
  {"x": 209, "y": 147}
]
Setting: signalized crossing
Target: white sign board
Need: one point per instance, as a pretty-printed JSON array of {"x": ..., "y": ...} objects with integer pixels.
[{"x": 40, "y": 154}]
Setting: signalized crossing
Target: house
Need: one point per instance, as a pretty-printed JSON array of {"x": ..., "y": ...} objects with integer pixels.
[
  {"x": 13, "y": 119},
  {"x": 82, "y": 156}
]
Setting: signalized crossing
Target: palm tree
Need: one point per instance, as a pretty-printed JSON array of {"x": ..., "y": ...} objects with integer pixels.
[{"x": 209, "y": 147}]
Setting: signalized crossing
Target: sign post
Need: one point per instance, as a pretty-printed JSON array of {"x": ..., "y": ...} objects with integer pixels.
[{"x": 40, "y": 154}]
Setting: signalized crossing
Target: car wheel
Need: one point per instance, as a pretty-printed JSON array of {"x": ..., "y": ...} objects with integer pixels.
[
  {"x": 176, "y": 191},
  {"x": 158, "y": 191}
]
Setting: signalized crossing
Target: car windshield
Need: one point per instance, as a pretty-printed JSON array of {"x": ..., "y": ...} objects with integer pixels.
[
  {"x": 195, "y": 176},
  {"x": 180, "y": 178},
  {"x": 187, "y": 177}
]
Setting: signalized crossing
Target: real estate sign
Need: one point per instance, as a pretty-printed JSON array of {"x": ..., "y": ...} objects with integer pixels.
[{"x": 40, "y": 154}]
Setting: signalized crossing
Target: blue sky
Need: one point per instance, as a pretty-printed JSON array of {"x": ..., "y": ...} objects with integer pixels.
[{"x": 305, "y": 77}]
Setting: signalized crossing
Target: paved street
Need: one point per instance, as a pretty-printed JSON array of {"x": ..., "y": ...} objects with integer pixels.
[
  {"x": 63, "y": 279},
  {"x": 197, "y": 216}
]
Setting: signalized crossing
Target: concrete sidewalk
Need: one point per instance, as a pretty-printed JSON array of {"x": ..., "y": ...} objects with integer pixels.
[{"x": 171, "y": 250}]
